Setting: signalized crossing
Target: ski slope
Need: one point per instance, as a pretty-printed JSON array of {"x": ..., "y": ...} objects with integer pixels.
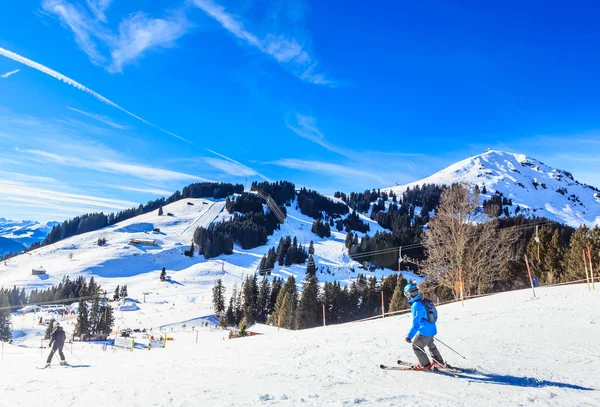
[
  {"x": 192, "y": 279},
  {"x": 529, "y": 352},
  {"x": 538, "y": 189}
]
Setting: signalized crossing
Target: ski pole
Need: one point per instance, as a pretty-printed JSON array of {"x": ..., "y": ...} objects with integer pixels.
[
  {"x": 437, "y": 340},
  {"x": 478, "y": 366},
  {"x": 73, "y": 354}
]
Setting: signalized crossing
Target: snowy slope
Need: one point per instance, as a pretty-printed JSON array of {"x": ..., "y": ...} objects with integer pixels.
[
  {"x": 119, "y": 263},
  {"x": 530, "y": 352},
  {"x": 534, "y": 186}
]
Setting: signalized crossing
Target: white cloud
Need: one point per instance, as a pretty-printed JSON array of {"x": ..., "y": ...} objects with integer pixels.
[
  {"x": 6, "y": 175},
  {"x": 98, "y": 7},
  {"x": 83, "y": 28},
  {"x": 306, "y": 127},
  {"x": 232, "y": 167},
  {"x": 285, "y": 50},
  {"x": 229, "y": 167},
  {"x": 25, "y": 193},
  {"x": 326, "y": 168},
  {"x": 6, "y": 75},
  {"x": 92, "y": 163},
  {"x": 75, "y": 84},
  {"x": 154, "y": 191},
  {"x": 139, "y": 33},
  {"x": 102, "y": 119}
]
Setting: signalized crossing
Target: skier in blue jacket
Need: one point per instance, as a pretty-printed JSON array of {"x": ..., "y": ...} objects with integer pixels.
[{"x": 423, "y": 329}]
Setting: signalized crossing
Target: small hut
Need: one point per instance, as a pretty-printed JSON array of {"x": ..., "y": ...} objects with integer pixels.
[{"x": 38, "y": 271}]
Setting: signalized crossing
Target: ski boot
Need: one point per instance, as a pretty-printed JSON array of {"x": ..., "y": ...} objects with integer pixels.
[
  {"x": 63, "y": 363},
  {"x": 429, "y": 366}
]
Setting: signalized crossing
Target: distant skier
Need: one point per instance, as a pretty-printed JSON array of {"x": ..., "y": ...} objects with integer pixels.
[
  {"x": 57, "y": 342},
  {"x": 424, "y": 328}
]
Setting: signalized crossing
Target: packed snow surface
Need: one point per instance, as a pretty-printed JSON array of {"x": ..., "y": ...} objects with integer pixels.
[{"x": 529, "y": 351}]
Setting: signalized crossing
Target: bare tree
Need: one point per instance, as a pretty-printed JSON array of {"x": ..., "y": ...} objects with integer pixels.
[{"x": 461, "y": 237}]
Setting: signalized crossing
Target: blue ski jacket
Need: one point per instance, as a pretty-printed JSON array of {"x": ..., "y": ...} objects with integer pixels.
[{"x": 420, "y": 325}]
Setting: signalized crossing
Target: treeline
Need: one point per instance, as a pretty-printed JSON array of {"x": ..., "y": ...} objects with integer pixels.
[
  {"x": 65, "y": 290},
  {"x": 245, "y": 203},
  {"x": 313, "y": 204},
  {"x": 249, "y": 230},
  {"x": 282, "y": 192},
  {"x": 361, "y": 201},
  {"x": 321, "y": 229},
  {"x": 279, "y": 303},
  {"x": 250, "y": 227},
  {"x": 95, "y": 315},
  {"x": 288, "y": 252}
]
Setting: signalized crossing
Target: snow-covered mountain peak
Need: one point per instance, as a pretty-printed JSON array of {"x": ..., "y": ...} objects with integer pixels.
[
  {"x": 535, "y": 188},
  {"x": 19, "y": 234}
]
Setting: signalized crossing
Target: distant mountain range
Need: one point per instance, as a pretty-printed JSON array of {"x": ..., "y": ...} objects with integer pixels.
[
  {"x": 15, "y": 235},
  {"x": 532, "y": 186}
]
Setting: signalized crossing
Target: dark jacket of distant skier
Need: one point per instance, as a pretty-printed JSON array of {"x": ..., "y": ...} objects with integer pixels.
[
  {"x": 57, "y": 341},
  {"x": 58, "y": 338},
  {"x": 422, "y": 330}
]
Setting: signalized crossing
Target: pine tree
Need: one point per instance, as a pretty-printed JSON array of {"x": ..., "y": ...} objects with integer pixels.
[
  {"x": 275, "y": 290},
  {"x": 124, "y": 291},
  {"x": 574, "y": 258},
  {"x": 230, "y": 314},
  {"x": 311, "y": 268},
  {"x": 311, "y": 248},
  {"x": 309, "y": 309},
  {"x": 160, "y": 211},
  {"x": 398, "y": 301},
  {"x": 238, "y": 310},
  {"x": 250, "y": 306},
  {"x": 163, "y": 274},
  {"x": 264, "y": 296},
  {"x": 281, "y": 249},
  {"x": 106, "y": 320},
  {"x": 117, "y": 293},
  {"x": 5, "y": 324},
  {"x": 285, "y": 306},
  {"x": 49, "y": 329},
  {"x": 219, "y": 297},
  {"x": 95, "y": 314},
  {"x": 83, "y": 324}
]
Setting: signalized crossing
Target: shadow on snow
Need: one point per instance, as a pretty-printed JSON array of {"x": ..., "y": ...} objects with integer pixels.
[{"x": 508, "y": 380}]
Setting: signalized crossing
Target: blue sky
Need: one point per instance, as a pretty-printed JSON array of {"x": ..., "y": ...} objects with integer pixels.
[{"x": 108, "y": 103}]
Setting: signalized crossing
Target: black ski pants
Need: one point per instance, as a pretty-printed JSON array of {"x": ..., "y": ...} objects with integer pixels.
[
  {"x": 423, "y": 342},
  {"x": 55, "y": 348}
]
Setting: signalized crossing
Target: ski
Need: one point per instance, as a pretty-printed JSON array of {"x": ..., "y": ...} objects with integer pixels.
[
  {"x": 42, "y": 368},
  {"x": 449, "y": 369},
  {"x": 384, "y": 367}
]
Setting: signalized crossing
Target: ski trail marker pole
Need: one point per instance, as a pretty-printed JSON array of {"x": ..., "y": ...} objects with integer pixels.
[
  {"x": 530, "y": 279},
  {"x": 462, "y": 291},
  {"x": 586, "y": 271},
  {"x": 591, "y": 267}
]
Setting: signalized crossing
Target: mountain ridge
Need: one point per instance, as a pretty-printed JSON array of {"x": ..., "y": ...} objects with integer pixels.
[{"x": 535, "y": 187}]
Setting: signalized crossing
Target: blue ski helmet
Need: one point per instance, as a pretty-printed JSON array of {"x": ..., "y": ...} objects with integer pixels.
[{"x": 411, "y": 290}]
